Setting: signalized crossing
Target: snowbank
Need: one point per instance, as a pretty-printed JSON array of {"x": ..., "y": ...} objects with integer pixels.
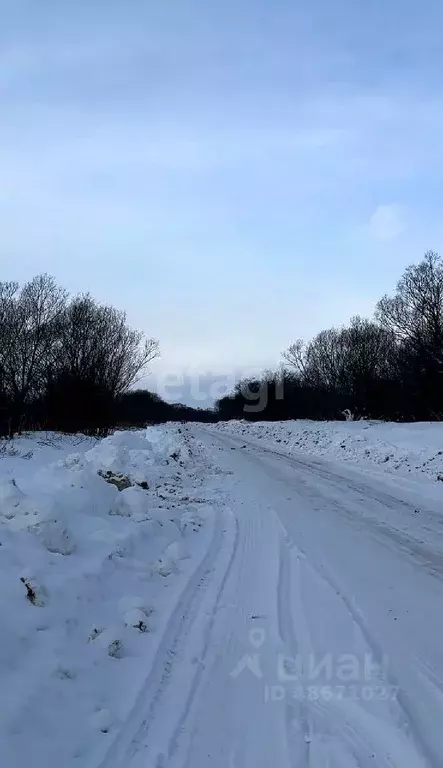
[
  {"x": 89, "y": 576},
  {"x": 415, "y": 449}
]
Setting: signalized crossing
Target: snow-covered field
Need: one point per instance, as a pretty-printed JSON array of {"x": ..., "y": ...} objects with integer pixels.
[
  {"x": 233, "y": 596},
  {"x": 90, "y": 576},
  {"x": 412, "y": 449}
]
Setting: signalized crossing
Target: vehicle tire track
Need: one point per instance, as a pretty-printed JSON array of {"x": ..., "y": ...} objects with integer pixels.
[
  {"x": 174, "y": 740},
  {"x": 137, "y": 724},
  {"x": 359, "y": 730}
]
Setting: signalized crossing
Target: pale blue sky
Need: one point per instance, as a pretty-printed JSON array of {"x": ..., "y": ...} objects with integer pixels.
[{"x": 234, "y": 174}]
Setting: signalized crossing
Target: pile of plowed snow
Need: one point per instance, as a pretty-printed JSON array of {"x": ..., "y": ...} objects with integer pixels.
[
  {"x": 96, "y": 541},
  {"x": 415, "y": 449}
]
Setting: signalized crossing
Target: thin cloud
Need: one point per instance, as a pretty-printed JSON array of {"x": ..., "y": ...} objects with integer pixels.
[{"x": 387, "y": 222}]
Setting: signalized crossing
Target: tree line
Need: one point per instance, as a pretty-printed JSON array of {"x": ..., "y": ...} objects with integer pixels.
[
  {"x": 70, "y": 363},
  {"x": 387, "y": 367}
]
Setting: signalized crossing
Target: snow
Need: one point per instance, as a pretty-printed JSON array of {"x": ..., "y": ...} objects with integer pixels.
[
  {"x": 405, "y": 449},
  {"x": 89, "y": 577},
  {"x": 332, "y": 618},
  {"x": 239, "y": 596}
]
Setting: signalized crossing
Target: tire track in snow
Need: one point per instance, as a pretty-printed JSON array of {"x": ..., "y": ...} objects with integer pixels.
[
  {"x": 240, "y": 557},
  {"x": 230, "y": 723},
  {"x": 173, "y": 744},
  {"x": 352, "y": 735},
  {"x": 128, "y": 739},
  {"x": 295, "y": 711}
]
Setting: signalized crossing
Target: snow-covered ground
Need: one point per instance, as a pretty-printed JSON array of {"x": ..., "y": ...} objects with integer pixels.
[
  {"x": 415, "y": 449},
  {"x": 331, "y": 624},
  {"x": 90, "y": 576},
  {"x": 189, "y": 596}
]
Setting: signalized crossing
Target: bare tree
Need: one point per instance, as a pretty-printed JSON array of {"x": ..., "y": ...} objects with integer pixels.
[
  {"x": 346, "y": 363},
  {"x": 320, "y": 362},
  {"x": 295, "y": 357},
  {"x": 64, "y": 362},
  {"x": 97, "y": 344},
  {"x": 30, "y": 321},
  {"x": 415, "y": 312}
]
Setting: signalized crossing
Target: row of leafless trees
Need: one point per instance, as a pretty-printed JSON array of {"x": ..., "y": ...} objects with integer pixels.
[
  {"x": 64, "y": 362},
  {"x": 388, "y": 367}
]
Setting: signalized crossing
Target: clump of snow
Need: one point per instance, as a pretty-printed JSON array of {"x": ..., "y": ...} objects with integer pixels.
[
  {"x": 135, "y": 613},
  {"x": 140, "y": 456},
  {"x": 164, "y": 566},
  {"x": 191, "y": 521},
  {"x": 176, "y": 551},
  {"x": 11, "y": 497},
  {"x": 56, "y": 536},
  {"x": 34, "y": 594},
  {"x": 136, "y": 618},
  {"x": 128, "y": 602},
  {"x": 113, "y": 645},
  {"x": 95, "y": 633},
  {"x": 102, "y": 720},
  {"x": 131, "y": 501}
]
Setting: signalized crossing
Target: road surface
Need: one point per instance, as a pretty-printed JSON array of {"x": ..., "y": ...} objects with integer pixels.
[{"x": 311, "y": 635}]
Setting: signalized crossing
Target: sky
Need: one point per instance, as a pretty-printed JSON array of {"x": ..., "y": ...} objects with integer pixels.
[{"x": 235, "y": 175}]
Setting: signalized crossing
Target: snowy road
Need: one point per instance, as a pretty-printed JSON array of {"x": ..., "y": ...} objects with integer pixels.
[
  {"x": 315, "y": 639},
  {"x": 236, "y": 605}
]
